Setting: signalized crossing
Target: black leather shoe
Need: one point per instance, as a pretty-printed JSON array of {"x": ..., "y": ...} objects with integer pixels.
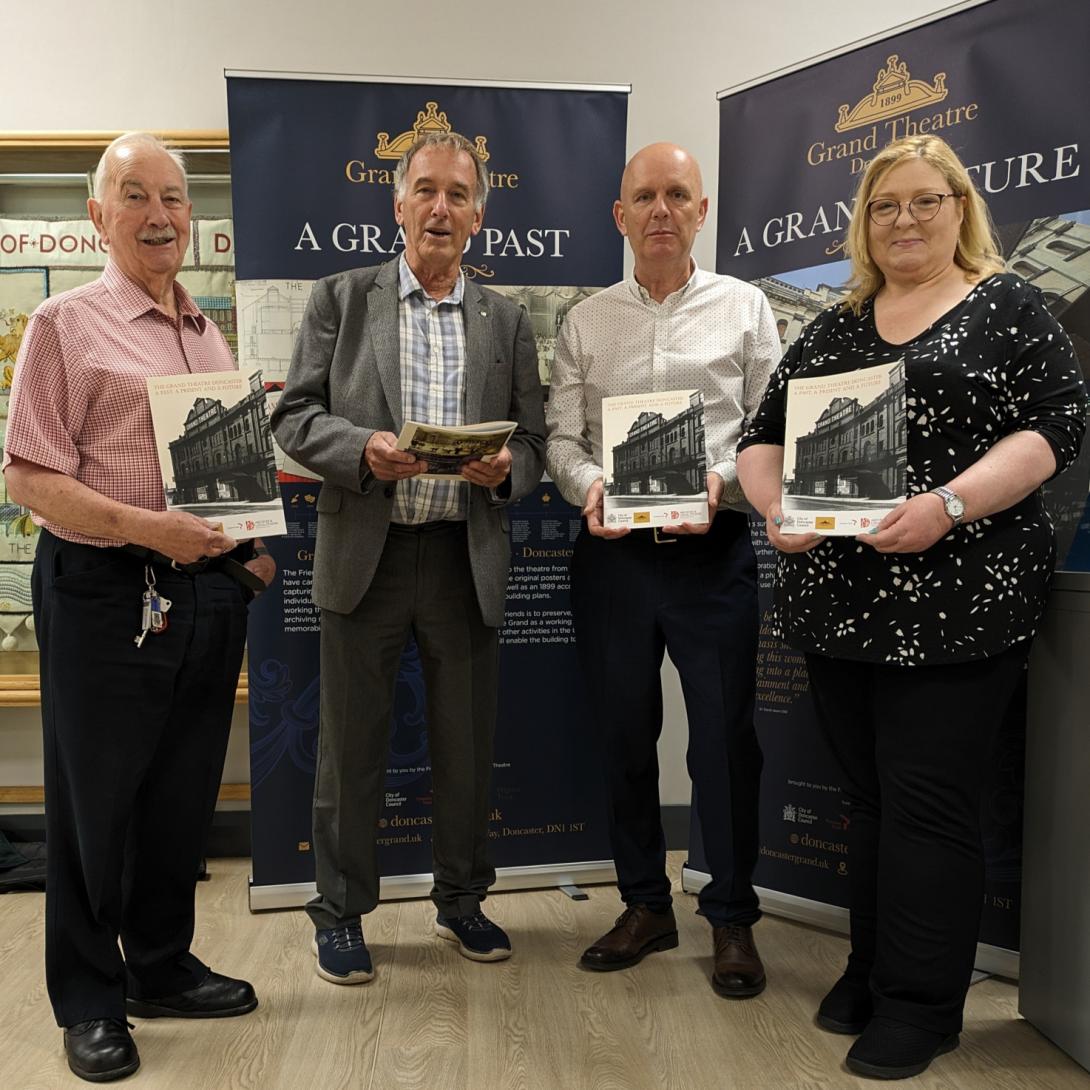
[
  {"x": 738, "y": 972},
  {"x": 101, "y": 1050},
  {"x": 847, "y": 1008},
  {"x": 215, "y": 997},
  {"x": 639, "y": 931},
  {"x": 896, "y": 1050}
]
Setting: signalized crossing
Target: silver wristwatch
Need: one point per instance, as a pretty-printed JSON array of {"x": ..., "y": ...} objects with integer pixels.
[{"x": 954, "y": 504}]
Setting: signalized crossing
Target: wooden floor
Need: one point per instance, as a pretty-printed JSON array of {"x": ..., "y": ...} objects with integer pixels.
[{"x": 433, "y": 1020}]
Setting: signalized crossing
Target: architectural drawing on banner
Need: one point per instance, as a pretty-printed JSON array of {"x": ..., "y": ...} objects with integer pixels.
[
  {"x": 1053, "y": 254},
  {"x": 269, "y": 314},
  {"x": 547, "y": 306}
]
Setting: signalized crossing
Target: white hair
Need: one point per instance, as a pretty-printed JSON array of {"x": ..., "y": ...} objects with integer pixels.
[{"x": 107, "y": 165}]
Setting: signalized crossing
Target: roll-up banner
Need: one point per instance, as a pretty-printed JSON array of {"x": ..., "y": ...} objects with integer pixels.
[
  {"x": 1006, "y": 85},
  {"x": 313, "y": 159}
]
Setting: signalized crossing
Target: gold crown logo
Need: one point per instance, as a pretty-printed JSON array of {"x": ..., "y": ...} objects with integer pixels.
[
  {"x": 894, "y": 92},
  {"x": 430, "y": 119}
]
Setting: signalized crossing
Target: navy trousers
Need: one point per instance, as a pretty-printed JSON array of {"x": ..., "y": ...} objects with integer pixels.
[
  {"x": 633, "y": 599},
  {"x": 134, "y": 745}
]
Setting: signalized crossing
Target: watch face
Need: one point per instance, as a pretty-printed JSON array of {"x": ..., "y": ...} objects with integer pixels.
[{"x": 955, "y": 507}]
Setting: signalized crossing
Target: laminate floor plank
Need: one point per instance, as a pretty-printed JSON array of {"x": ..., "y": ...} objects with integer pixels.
[{"x": 433, "y": 1020}]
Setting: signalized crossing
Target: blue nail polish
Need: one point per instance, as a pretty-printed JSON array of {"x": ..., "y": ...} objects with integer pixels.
[{"x": 778, "y": 521}]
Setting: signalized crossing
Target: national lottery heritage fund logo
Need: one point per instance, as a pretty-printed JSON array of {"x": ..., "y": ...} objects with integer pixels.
[{"x": 371, "y": 238}]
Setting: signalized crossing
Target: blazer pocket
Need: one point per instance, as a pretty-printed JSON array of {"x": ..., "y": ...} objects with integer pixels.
[{"x": 329, "y": 499}]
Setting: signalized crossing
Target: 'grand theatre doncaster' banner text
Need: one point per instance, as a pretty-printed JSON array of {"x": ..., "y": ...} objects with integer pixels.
[
  {"x": 312, "y": 173},
  {"x": 1007, "y": 85}
]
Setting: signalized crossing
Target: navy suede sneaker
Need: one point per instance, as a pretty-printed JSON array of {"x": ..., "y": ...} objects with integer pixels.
[
  {"x": 478, "y": 938},
  {"x": 343, "y": 957}
]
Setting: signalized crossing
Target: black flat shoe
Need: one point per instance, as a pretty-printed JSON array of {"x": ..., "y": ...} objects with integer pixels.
[
  {"x": 847, "y": 1008},
  {"x": 895, "y": 1050},
  {"x": 101, "y": 1049},
  {"x": 215, "y": 997}
]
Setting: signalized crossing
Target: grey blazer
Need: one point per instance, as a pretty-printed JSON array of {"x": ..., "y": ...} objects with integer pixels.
[{"x": 345, "y": 383}]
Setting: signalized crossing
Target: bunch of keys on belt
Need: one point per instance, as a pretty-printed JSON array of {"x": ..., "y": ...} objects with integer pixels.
[{"x": 154, "y": 610}]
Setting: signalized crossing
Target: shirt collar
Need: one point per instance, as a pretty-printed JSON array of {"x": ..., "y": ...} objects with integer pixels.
[
  {"x": 133, "y": 302},
  {"x": 407, "y": 284},
  {"x": 641, "y": 293}
]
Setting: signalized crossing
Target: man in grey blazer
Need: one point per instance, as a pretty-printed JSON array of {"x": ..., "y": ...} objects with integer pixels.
[{"x": 411, "y": 339}]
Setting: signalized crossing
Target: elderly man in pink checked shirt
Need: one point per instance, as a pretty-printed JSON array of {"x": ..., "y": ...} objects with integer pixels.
[{"x": 135, "y": 728}]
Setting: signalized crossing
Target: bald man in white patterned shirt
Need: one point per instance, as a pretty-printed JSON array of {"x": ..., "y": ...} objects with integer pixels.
[{"x": 690, "y": 589}]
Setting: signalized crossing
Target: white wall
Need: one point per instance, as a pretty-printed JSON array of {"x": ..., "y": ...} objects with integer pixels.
[{"x": 111, "y": 65}]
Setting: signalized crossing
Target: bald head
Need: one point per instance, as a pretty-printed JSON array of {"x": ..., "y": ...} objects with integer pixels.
[
  {"x": 662, "y": 159},
  {"x": 661, "y": 208}
]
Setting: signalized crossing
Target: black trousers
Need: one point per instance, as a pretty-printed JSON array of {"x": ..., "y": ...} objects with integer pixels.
[
  {"x": 633, "y": 599},
  {"x": 913, "y": 744},
  {"x": 424, "y": 585},
  {"x": 134, "y": 746}
]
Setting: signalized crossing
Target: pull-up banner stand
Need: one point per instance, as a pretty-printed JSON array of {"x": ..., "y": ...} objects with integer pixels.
[
  {"x": 1006, "y": 84},
  {"x": 312, "y": 163}
]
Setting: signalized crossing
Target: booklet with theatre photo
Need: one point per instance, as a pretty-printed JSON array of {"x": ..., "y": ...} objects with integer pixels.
[
  {"x": 844, "y": 458},
  {"x": 654, "y": 471},
  {"x": 215, "y": 450},
  {"x": 446, "y": 448}
]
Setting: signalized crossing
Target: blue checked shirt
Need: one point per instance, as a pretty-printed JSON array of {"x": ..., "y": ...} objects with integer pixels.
[{"x": 433, "y": 385}]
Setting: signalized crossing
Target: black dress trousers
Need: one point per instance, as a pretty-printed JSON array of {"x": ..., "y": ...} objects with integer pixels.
[
  {"x": 913, "y": 745},
  {"x": 135, "y": 739},
  {"x": 695, "y": 598}
]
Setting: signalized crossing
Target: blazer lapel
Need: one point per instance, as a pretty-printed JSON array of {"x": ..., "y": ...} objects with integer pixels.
[
  {"x": 386, "y": 339},
  {"x": 478, "y": 320}
]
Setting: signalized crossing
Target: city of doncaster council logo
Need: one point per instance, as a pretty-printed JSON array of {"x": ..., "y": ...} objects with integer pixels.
[
  {"x": 884, "y": 112},
  {"x": 428, "y": 120}
]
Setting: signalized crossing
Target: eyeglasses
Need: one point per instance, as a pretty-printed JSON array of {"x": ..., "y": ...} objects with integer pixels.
[{"x": 923, "y": 207}]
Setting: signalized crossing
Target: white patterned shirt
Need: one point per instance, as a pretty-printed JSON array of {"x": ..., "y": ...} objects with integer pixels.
[
  {"x": 432, "y": 335},
  {"x": 715, "y": 334}
]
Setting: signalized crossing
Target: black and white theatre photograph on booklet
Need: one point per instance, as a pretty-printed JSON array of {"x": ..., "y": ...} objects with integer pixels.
[
  {"x": 215, "y": 451},
  {"x": 845, "y": 450},
  {"x": 655, "y": 468}
]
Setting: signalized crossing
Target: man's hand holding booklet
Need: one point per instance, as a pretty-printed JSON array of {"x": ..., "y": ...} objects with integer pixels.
[{"x": 447, "y": 449}]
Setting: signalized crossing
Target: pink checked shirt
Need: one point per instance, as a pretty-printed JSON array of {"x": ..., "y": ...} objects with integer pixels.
[{"x": 79, "y": 400}]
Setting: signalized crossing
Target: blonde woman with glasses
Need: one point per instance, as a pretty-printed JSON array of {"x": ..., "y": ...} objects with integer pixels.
[{"x": 916, "y": 632}]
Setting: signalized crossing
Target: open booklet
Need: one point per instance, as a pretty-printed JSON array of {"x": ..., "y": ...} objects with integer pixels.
[
  {"x": 845, "y": 450},
  {"x": 215, "y": 448},
  {"x": 446, "y": 448},
  {"x": 654, "y": 467}
]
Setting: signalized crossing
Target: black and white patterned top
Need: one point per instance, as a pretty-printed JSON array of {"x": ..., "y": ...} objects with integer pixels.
[{"x": 996, "y": 363}]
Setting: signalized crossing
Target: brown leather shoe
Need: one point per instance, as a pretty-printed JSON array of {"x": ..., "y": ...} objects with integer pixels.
[
  {"x": 639, "y": 931},
  {"x": 738, "y": 973}
]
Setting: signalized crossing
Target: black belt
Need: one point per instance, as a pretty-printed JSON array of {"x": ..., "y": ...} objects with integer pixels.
[
  {"x": 239, "y": 572},
  {"x": 428, "y": 527}
]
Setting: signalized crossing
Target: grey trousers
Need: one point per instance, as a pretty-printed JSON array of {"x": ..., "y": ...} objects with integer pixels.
[{"x": 423, "y": 584}]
